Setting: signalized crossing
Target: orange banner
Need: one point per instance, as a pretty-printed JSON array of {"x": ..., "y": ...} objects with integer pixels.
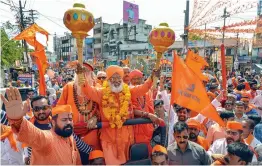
[
  {"x": 189, "y": 92},
  {"x": 29, "y": 35},
  {"x": 196, "y": 63}
]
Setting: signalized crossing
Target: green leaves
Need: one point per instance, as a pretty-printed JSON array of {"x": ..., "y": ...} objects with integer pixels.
[{"x": 11, "y": 50}]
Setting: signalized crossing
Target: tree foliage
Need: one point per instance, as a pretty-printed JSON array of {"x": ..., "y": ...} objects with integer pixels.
[{"x": 11, "y": 50}]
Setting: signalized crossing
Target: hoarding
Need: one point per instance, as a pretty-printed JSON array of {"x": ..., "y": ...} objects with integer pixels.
[
  {"x": 130, "y": 13},
  {"x": 26, "y": 77}
]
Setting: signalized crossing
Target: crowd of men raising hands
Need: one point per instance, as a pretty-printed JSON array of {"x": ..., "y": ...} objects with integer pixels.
[{"x": 64, "y": 131}]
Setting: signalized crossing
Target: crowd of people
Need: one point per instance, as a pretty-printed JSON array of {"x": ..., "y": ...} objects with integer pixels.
[{"x": 61, "y": 127}]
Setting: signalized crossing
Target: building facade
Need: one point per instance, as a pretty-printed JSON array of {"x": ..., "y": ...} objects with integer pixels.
[
  {"x": 113, "y": 42},
  {"x": 257, "y": 45},
  {"x": 66, "y": 50}
]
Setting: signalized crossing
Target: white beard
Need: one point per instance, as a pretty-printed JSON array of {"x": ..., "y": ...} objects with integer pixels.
[{"x": 116, "y": 89}]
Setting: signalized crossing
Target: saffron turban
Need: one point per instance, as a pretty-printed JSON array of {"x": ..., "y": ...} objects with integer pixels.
[
  {"x": 61, "y": 109},
  {"x": 159, "y": 148},
  {"x": 245, "y": 95},
  {"x": 111, "y": 70},
  {"x": 135, "y": 73},
  {"x": 192, "y": 123},
  {"x": 88, "y": 66},
  {"x": 96, "y": 154},
  {"x": 233, "y": 125}
]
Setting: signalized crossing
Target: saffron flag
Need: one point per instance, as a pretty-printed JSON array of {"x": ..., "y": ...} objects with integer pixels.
[
  {"x": 196, "y": 63},
  {"x": 189, "y": 92},
  {"x": 29, "y": 35},
  {"x": 125, "y": 62}
]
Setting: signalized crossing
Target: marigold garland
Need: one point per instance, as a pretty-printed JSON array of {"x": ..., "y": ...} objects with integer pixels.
[{"x": 111, "y": 106}]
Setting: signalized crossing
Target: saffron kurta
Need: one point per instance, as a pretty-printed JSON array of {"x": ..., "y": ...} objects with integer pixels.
[
  {"x": 143, "y": 133},
  {"x": 49, "y": 148},
  {"x": 116, "y": 142},
  {"x": 67, "y": 97},
  {"x": 203, "y": 142}
]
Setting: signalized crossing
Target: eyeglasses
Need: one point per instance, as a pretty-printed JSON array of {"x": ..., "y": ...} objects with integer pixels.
[
  {"x": 232, "y": 133},
  {"x": 184, "y": 137},
  {"x": 101, "y": 78},
  {"x": 30, "y": 94},
  {"x": 115, "y": 79},
  {"x": 38, "y": 108}
]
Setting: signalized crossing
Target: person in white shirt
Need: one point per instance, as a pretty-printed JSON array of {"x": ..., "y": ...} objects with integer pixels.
[
  {"x": 257, "y": 101},
  {"x": 11, "y": 150},
  {"x": 233, "y": 134},
  {"x": 248, "y": 128}
]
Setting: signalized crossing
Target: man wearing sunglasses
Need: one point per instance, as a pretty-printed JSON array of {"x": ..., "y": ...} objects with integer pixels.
[
  {"x": 101, "y": 77},
  {"x": 185, "y": 152},
  {"x": 42, "y": 120},
  {"x": 86, "y": 111},
  {"x": 54, "y": 147},
  {"x": 234, "y": 131}
]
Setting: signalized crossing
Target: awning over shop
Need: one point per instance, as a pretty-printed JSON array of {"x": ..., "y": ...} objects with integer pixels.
[{"x": 259, "y": 66}]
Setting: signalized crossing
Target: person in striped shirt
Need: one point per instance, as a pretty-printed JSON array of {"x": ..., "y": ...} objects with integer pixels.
[
  {"x": 42, "y": 120},
  {"x": 53, "y": 147}
]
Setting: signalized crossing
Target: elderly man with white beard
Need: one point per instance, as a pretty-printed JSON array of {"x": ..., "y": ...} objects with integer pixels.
[
  {"x": 85, "y": 110},
  {"x": 114, "y": 99}
]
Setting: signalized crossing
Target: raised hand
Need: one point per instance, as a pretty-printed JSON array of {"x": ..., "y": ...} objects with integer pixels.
[
  {"x": 13, "y": 104},
  {"x": 156, "y": 73}
]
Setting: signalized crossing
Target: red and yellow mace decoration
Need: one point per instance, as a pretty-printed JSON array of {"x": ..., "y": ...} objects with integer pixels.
[
  {"x": 80, "y": 22},
  {"x": 161, "y": 38}
]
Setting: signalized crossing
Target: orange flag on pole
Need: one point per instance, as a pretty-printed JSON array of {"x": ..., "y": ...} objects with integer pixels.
[
  {"x": 196, "y": 63},
  {"x": 29, "y": 35},
  {"x": 189, "y": 92}
]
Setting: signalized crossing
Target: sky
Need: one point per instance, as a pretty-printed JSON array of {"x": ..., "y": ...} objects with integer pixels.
[{"x": 153, "y": 11}]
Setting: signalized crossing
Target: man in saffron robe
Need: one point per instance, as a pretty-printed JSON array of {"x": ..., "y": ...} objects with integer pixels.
[
  {"x": 115, "y": 101},
  {"x": 194, "y": 128},
  {"x": 85, "y": 111},
  {"x": 143, "y": 133},
  {"x": 53, "y": 147},
  {"x": 42, "y": 120}
]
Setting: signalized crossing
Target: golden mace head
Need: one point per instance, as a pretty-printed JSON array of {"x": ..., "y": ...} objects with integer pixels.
[
  {"x": 162, "y": 37},
  {"x": 79, "y": 20}
]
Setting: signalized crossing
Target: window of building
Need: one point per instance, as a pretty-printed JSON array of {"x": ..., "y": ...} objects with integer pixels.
[
  {"x": 65, "y": 41},
  {"x": 228, "y": 51}
]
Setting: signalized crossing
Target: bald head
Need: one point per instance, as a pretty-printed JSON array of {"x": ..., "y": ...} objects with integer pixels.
[{"x": 126, "y": 75}]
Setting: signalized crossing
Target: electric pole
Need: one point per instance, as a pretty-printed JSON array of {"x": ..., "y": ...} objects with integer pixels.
[
  {"x": 236, "y": 53},
  {"x": 22, "y": 25},
  {"x": 205, "y": 40},
  {"x": 225, "y": 16},
  {"x": 186, "y": 25},
  {"x": 32, "y": 15}
]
